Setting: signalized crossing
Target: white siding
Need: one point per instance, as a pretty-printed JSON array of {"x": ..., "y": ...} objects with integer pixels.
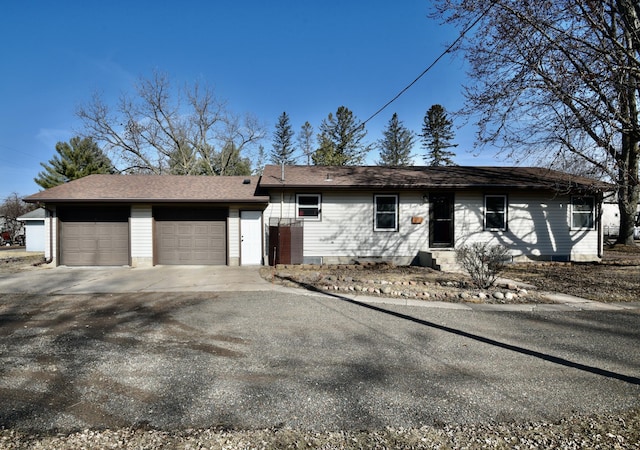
[
  {"x": 611, "y": 218},
  {"x": 50, "y": 235},
  {"x": 141, "y": 229},
  {"x": 345, "y": 230},
  {"x": 538, "y": 226},
  {"x": 233, "y": 241},
  {"x": 34, "y": 231}
]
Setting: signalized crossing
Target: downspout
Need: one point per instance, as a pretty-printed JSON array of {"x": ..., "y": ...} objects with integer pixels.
[
  {"x": 282, "y": 192},
  {"x": 600, "y": 198},
  {"x": 48, "y": 261}
]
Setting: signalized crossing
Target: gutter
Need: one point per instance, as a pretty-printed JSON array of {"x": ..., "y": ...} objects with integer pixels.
[{"x": 50, "y": 212}]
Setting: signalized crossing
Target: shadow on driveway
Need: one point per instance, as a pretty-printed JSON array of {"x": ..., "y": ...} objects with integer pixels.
[{"x": 273, "y": 359}]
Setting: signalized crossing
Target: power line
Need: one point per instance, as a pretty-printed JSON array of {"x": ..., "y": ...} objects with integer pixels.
[{"x": 448, "y": 49}]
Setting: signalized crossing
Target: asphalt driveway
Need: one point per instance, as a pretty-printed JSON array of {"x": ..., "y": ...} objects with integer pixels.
[{"x": 72, "y": 359}]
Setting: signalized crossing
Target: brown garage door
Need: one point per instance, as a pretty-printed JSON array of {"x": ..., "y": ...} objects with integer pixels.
[
  {"x": 190, "y": 236},
  {"x": 94, "y": 236}
]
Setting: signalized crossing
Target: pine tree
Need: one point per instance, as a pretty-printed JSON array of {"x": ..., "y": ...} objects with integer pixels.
[
  {"x": 183, "y": 160},
  {"x": 396, "y": 145},
  {"x": 437, "y": 133},
  {"x": 258, "y": 167},
  {"x": 283, "y": 148},
  {"x": 76, "y": 159},
  {"x": 306, "y": 141},
  {"x": 230, "y": 162},
  {"x": 340, "y": 140}
]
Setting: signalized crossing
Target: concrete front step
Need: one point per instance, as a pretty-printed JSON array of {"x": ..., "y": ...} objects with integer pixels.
[{"x": 444, "y": 260}]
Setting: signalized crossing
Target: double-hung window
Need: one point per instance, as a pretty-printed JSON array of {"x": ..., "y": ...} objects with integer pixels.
[
  {"x": 582, "y": 213},
  {"x": 308, "y": 206},
  {"x": 495, "y": 212},
  {"x": 386, "y": 213}
]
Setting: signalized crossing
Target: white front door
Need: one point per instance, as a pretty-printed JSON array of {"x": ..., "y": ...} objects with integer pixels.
[{"x": 250, "y": 238}]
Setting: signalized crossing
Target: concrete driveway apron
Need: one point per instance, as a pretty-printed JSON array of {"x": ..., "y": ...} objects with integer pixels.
[{"x": 86, "y": 280}]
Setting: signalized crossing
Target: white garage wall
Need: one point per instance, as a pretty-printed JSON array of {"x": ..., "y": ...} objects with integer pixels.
[
  {"x": 50, "y": 235},
  {"x": 233, "y": 234},
  {"x": 141, "y": 228}
]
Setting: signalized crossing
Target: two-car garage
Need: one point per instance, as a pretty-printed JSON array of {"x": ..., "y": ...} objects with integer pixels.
[
  {"x": 142, "y": 220},
  {"x": 101, "y": 236}
]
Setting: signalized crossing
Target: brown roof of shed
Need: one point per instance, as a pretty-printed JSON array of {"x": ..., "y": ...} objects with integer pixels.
[
  {"x": 154, "y": 188},
  {"x": 421, "y": 177}
]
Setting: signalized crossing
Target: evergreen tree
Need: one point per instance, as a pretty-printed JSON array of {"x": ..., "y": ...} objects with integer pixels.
[
  {"x": 340, "y": 140},
  {"x": 283, "y": 148},
  {"x": 76, "y": 159},
  {"x": 437, "y": 133},
  {"x": 229, "y": 162},
  {"x": 395, "y": 147},
  {"x": 306, "y": 141},
  {"x": 258, "y": 167},
  {"x": 183, "y": 160}
]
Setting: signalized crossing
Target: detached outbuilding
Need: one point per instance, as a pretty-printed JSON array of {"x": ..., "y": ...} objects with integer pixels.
[
  {"x": 407, "y": 215},
  {"x": 34, "y": 232}
]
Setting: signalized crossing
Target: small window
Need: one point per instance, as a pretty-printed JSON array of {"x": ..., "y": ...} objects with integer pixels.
[
  {"x": 582, "y": 213},
  {"x": 386, "y": 213},
  {"x": 308, "y": 206},
  {"x": 495, "y": 212}
]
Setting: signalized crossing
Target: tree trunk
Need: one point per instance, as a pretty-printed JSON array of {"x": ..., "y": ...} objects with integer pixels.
[
  {"x": 629, "y": 190},
  {"x": 628, "y": 206}
]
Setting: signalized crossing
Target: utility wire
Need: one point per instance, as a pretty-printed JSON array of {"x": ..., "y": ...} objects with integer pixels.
[{"x": 448, "y": 49}]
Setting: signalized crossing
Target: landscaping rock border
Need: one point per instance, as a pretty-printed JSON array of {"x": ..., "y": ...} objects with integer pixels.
[{"x": 387, "y": 280}]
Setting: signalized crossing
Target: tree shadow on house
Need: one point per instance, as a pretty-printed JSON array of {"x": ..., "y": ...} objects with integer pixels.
[{"x": 536, "y": 231}]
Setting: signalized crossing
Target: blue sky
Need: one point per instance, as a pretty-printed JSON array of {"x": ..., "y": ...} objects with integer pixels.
[{"x": 305, "y": 57}]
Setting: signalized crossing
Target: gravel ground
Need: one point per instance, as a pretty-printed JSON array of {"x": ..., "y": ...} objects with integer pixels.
[
  {"x": 620, "y": 431},
  {"x": 265, "y": 370},
  {"x": 107, "y": 335}
]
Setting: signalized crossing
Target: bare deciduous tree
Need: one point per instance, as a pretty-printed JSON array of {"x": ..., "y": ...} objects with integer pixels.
[
  {"x": 161, "y": 130},
  {"x": 550, "y": 78},
  {"x": 11, "y": 208}
]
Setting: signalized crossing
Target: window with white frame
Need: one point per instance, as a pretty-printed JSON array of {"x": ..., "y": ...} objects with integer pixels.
[
  {"x": 308, "y": 206},
  {"x": 386, "y": 212},
  {"x": 582, "y": 213},
  {"x": 495, "y": 212}
]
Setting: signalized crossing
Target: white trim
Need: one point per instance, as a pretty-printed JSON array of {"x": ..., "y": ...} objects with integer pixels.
[
  {"x": 375, "y": 212},
  {"x": 504, "y": 212},
  {"x": 591, "y": 213},
  {"x": 317, "y": 218}
]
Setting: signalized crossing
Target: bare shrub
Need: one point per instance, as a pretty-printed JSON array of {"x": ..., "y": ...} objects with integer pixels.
[{"x": 483, "y": 262}]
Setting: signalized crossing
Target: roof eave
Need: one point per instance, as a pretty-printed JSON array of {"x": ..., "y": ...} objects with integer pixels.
[
  {"x": 439, "y": 186},
  {"x": 257, "y": 200}
]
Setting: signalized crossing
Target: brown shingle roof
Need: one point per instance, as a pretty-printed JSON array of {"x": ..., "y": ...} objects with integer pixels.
[
  {"x": 154, "y": 188},
  {"x": 418, "y": 177}
]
